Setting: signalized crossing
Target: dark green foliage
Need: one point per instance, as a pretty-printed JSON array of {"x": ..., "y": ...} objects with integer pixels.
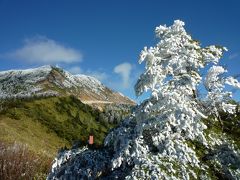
[
  {"x": 229, "y": 127},
  {"x": 68, "y": 117}
]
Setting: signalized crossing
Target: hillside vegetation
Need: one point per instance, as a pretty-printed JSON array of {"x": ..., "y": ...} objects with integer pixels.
[
  {"x": 40, "y": 126},
  {"x": 51, "y": 123},
  {"x": 18, "y": 162}
]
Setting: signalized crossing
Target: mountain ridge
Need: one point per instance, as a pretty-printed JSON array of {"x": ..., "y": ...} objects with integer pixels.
[{"x": 53, "y": 81}]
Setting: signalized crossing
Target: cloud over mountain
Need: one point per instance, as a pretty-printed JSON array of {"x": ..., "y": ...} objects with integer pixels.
[
  {"x": 42, "y": 50},
  {"x": 124, "y": 70}
]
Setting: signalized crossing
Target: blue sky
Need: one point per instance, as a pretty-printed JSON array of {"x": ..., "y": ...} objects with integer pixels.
[{"x": 104, "y": 38}]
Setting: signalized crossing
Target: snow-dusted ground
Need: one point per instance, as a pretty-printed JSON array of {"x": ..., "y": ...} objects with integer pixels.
[
  {"x": 53, "y": 81},
  {"x": 25, "y": 83}
]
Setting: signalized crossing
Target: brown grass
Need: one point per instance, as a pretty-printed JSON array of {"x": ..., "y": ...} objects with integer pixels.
[{"x": 18, "y": 162}]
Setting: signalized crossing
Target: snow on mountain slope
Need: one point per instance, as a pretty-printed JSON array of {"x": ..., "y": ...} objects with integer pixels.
[
  {"x": 23, "y": 83},
  {"x": 53, "y": 81}
]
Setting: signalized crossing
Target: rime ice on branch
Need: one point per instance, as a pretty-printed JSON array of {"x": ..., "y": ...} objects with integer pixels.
[{"x": 154, "y": 143}]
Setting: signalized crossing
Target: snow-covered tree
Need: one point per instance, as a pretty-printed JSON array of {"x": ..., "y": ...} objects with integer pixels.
[
  {"x": 173, "y": 75},
  {"x": 173, "y": 115},
  {"x": 158, "y": 140}
]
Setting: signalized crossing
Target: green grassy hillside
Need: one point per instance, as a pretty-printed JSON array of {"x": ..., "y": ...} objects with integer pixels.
[
  {"x": 47, "y": 124},
  {"x": 32, "y": 130}
]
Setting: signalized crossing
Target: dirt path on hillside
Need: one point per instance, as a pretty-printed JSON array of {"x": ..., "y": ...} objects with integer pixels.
[{"x": 97, "y": 102}]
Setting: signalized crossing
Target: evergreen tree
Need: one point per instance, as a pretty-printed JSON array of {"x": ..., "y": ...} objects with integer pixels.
[{"x": 166, "y": 136}]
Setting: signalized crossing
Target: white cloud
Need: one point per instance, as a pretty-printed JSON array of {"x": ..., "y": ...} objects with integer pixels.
[
  {"x": 233, "y": 56},
  {"x": 124, "y": 70},
  {"x": 41, "y": 50},
  {"x": 75, "y": 70}
]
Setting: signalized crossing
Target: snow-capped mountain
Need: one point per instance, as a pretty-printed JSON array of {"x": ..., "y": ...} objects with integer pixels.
[{"x": 53, "y": 81}]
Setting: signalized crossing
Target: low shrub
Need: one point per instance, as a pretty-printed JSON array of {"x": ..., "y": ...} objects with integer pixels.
[{"x": 18, "y": 162}]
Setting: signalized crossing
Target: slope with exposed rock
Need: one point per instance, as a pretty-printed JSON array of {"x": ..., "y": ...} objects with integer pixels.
[{"x": 53, "y": 81}]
